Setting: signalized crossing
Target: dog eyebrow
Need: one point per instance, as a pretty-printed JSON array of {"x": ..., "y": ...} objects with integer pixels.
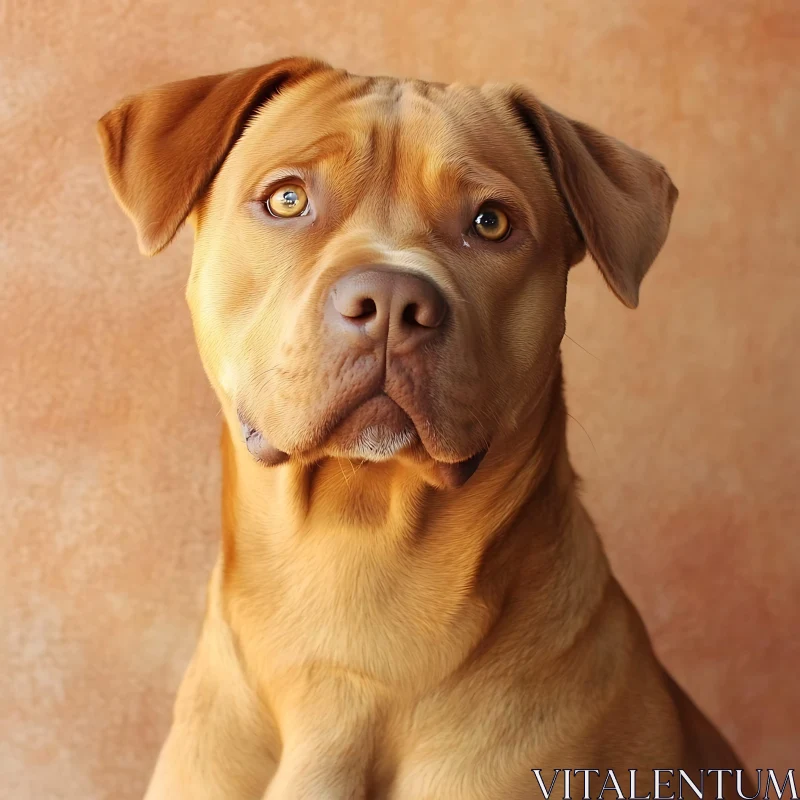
[
  {"x": 303, "y": 160},
  {"x": 319, "y": 149},
  {"x": 484, "y": 184}
]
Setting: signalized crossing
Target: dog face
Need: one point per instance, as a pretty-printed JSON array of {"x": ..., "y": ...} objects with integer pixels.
[
  {"x": 380, "y": 265},
  {"x": 412, "y": 296}
]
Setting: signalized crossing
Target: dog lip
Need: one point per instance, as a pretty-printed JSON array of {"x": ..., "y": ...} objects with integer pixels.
[
  {"x": 376, "y": 429},
  {"x": 260, "y": 447},
  {"x": 448, "y": 474},
  {"x": 454, "y": 476}
]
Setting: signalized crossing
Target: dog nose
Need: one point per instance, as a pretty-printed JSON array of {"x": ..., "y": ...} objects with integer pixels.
[{"x": 399, "y": 307}]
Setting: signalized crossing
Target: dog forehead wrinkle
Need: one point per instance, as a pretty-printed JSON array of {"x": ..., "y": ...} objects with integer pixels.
[
  {"x": 288, "y": 132},
  {"x": 456, "y": 143},
  {"x": 298, "y": 96},
  {"x": 384, "y": 130},
  {"x": 307, "y": 107},
  {"x": 374, "y": 92}
]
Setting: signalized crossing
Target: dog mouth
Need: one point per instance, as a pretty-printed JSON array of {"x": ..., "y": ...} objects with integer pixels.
[
  {"x": 260, "y": 447},
  {"x": 376, "y": 430}
]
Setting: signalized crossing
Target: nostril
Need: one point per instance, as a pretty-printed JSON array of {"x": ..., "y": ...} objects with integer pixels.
[
  {"x": 411, "y": 314},
  {"x": 425, "y": 314},
  {"x": 368, "y": 310},
  {"x": 356, "y": 307}
]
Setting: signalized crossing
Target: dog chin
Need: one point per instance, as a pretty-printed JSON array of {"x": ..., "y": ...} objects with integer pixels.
[{"x": 377, "y": 443}]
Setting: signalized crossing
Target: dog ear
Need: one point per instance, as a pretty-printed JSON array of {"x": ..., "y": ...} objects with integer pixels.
[
  {"x": 162, "y": 148},
  {"x": 620, "y": 200}
]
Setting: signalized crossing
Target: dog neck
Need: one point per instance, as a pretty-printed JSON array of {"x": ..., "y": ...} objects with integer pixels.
[{"x": 344, "y": 541}]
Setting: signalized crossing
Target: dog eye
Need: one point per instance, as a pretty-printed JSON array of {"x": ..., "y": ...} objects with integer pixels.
[
  {"x": 287, "y": 201},
  {"x": 491, "y": 223}
]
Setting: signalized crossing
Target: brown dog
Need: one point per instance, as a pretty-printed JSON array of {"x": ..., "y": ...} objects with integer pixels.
[{"x": 410, "y": 601}]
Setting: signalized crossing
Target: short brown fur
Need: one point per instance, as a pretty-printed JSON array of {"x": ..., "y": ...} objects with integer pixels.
[{"x": 374, "y": 630}]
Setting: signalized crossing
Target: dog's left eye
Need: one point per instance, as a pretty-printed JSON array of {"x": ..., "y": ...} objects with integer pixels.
[
  {"x": 491, "y": 223},
  {"x": 287, "y": 201}
]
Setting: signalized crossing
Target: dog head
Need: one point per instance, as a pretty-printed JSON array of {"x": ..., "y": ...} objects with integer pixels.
[{"x": 380, "y": 265}]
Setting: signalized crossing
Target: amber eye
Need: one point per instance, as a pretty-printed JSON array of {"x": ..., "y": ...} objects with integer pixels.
[
  {"x": 288, "y": 201},
  {"x": 491, "y": 223}
]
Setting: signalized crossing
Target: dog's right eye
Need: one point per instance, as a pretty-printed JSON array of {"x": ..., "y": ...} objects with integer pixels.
[{"x": 287, "y": 201}]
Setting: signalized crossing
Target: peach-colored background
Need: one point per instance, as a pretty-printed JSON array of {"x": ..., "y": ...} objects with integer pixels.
[{"x": 109, "y": 478}]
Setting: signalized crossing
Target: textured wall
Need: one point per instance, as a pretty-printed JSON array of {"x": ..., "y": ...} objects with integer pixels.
[{"x": 109, "y": 478}]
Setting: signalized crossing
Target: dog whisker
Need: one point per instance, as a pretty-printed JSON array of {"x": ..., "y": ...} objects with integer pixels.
[
  {"x": 578, "y": 344},
  {"x": 344, "y": 476},
  {"x": 583, "y": 429}
]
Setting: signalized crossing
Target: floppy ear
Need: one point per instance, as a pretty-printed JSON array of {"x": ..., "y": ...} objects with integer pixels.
[
  {"x": 620, "y": 200},
  {"x": 163, "y": 148}
]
